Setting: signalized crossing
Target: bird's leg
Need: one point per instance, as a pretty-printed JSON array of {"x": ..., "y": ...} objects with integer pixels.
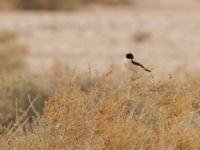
[
  {"x": 134, "y": 76},
  {"x": 130, "y": 94}
]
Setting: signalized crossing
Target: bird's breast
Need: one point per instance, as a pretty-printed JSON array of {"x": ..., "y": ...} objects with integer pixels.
[{"x": 129, "y": 65}]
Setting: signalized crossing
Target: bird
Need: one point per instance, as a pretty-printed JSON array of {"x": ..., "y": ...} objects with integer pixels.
[{"x": 133, "y": 65}]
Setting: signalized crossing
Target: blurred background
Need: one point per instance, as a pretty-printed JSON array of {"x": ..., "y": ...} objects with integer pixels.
[
  {"x": 57, "y": 83},
  {"x": 164, "y": 35}
]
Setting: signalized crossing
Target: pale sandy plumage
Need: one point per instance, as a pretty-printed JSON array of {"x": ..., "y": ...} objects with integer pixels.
[{"x": 132, "y": 65}]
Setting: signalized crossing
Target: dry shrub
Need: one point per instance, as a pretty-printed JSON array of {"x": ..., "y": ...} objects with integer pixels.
[
  {"x": 18, "y": 86},
  {"x": 7, "y": 36},
  {"x": 141, "y": 36},
  {"x": 20, "y": 89},
  {"x": 12, "y": 53},
  {"x": 17, "y": 90},
  {"x": 56, "y": 4},
  {"x": 117, "y": 115},
  {"x": 49, "y": 4},
  {"x": 112, "y": 2},
  {"x": 94, "y": 112}
]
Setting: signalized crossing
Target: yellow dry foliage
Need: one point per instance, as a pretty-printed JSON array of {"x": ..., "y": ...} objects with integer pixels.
[{"x": 112, "y": 112}]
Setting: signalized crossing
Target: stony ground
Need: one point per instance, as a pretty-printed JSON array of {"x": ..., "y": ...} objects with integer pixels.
[{"x": 165, "y": 40}]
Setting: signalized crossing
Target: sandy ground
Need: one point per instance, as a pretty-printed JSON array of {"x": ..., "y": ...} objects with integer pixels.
[{"x": 100, "y": 37}]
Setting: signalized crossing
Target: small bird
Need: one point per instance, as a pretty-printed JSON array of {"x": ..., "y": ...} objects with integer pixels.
[{"x": 131, "y": 64}]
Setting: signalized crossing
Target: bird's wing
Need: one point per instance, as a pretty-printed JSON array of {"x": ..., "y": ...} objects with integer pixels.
[{"x": 138, "y": 64}]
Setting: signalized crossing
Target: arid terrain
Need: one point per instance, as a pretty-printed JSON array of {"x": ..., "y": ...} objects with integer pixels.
[
  {"x": 63, "y": 84},
  {"x": 164, "y": 40}
]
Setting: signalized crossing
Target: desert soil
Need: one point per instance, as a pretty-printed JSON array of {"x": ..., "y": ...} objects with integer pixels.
[{"x": 165, "y": 40}]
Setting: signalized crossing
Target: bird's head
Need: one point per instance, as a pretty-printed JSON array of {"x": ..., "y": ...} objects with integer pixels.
[{"x": 129, "y": 55}]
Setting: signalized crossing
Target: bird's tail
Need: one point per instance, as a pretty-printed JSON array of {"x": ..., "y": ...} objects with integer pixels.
[{"x": 147, "y": 70}]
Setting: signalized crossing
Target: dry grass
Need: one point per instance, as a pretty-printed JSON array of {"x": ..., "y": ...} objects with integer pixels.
[
  {"x": 56, "y": 4},
  {"x": 18, "y": 85},
  {"x": 12, "y": 53},
  {"x": 141, "y": 36},
  {"x": 99, "y": 113},
  {"x": 84, "y": 111}
]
